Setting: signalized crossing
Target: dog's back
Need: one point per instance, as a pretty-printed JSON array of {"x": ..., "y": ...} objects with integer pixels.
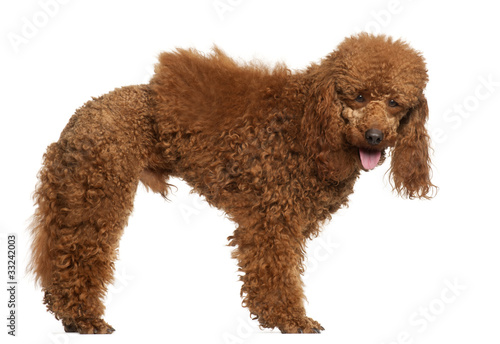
[{"x": 208, "y": 92}]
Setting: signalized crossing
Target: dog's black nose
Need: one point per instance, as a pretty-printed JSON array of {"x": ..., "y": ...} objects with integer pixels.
[{"x": 374, "y": 136}]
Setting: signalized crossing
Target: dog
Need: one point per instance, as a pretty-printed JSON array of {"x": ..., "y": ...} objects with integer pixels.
[{"x": 278, "y": 151}]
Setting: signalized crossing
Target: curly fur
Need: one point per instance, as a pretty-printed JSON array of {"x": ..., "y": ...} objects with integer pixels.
[{"x": 278, "y": 151}]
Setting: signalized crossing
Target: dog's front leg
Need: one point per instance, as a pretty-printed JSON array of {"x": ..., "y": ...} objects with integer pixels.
[{"x": 270, "y": 256}]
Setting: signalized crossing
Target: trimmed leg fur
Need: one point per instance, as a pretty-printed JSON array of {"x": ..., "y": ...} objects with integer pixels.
[{"x": 272, "y": 267}]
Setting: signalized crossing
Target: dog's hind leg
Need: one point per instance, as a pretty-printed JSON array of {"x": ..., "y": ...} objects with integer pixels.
[
  {"x": 81, "y": 216},
  {"x": 84, "y": 197}
]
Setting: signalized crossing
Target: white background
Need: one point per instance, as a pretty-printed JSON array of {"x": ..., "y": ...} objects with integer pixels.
[{"x": 377, "y": 267}]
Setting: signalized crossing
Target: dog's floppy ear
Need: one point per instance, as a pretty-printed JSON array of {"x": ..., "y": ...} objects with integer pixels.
[
  {"x": 322, "y": 127},
  {"x": 411, "y": 164}
]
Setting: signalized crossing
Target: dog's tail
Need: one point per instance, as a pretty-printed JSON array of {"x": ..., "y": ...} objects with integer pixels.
[
  {"x": 156, "y": 181},
  {"x": 43, "y": 223}
]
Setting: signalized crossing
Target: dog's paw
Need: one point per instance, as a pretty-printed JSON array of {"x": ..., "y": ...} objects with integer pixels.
[
  {"x": 303, "y": 325},
  {"x": 88, "y": 326}
]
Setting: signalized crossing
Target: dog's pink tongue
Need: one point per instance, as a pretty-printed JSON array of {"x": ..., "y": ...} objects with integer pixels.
[{"x": 369, "y": 159}]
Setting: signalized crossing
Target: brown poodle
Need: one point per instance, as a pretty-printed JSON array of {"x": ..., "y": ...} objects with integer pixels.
[{"x": 278, "y": 151}]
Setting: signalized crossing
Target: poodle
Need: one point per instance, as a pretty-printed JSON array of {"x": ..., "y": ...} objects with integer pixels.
[{"x": 278, "y": 151}]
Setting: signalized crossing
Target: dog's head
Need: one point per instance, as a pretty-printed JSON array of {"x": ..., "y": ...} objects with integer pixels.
[{"x": 368, "y": 97}]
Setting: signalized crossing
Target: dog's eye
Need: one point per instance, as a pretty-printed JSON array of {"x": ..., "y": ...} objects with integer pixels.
[
  {"x": 393, "y": 103},
  {"x": 360, "y": 99}
]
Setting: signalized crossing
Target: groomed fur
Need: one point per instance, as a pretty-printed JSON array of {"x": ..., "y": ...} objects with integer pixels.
[{"x": 279, "y": 152}]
